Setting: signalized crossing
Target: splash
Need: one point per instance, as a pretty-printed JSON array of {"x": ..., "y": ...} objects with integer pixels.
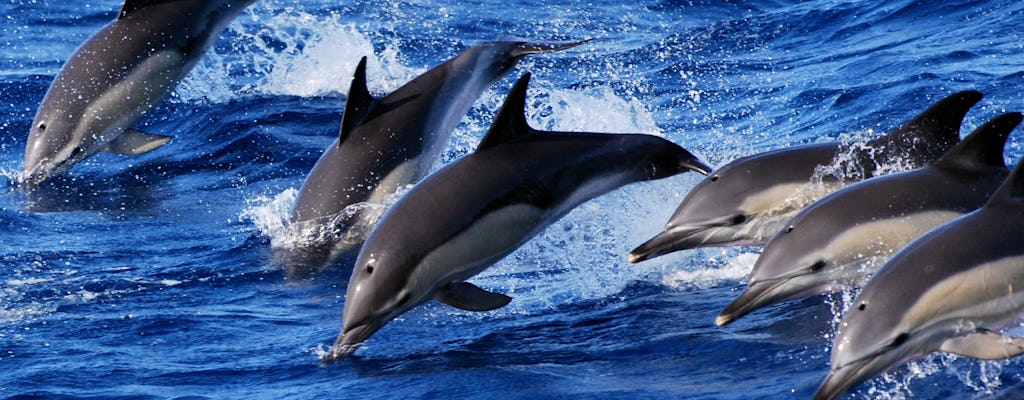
[
  {"x": 595, "y": 109},
  {"x": 735, "y": 268},
  {"x": 271, "y": 216},
  {"x": 288, "y": 52}
]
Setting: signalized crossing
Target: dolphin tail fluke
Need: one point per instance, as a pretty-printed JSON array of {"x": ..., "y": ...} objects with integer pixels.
[
  {"x": 469, "y": 297},
  {"x": 983, "y": 148},
  {"x": 525, "y": 48}
]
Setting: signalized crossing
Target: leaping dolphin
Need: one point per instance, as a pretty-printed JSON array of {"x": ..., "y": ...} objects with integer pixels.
[
  {"x": 951, "y": 290},
  {"x": 478, "y": 209},
  {"x": 117, "y": 76},
  {"x": 840, "y": 240},
  {"x": 751, "y": 198},
  {"x": 387, "y": 143}
]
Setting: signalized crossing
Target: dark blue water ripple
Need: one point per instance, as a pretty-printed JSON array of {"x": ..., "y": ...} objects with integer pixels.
[{"x": 151, "y": 276}]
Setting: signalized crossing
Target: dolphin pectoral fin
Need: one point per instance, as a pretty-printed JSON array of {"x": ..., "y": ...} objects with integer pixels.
[
  {"x": 133, "y": 142},
  {"x": 469, "y": 297},
  {"x": 984, "y": 345}
]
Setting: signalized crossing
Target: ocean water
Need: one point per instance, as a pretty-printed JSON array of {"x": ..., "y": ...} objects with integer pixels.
[{"x": 150, "y": 276}]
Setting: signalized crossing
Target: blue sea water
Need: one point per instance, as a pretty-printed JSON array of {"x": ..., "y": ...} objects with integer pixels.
[{"x": 150, "y": 276}]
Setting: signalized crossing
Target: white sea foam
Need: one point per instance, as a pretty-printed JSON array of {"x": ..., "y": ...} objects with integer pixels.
[
  {"x": 594, "y": 109},
  {"x": 285, "y": 51},
  {"x": 271, "y": 216},
  {"x": 736, "y": 268}
]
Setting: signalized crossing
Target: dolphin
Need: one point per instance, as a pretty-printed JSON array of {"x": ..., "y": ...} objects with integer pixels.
[
  {"x": 952, "y": 290},
  {"x": 387, "y": 143},
  {"x": 749, "y": 199},
  {"x": 840, "y": 240},
  {"x": 118, "y": 75},
  {"x": 478, "y": 209}
]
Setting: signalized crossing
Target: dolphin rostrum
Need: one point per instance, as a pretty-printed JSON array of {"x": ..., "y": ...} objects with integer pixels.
[
  {"x": 478, "y": 209},
  {"x": 840, "y": 240},
  {"x": 751, "y": 198},
  {"x": 117, "y": 76},
  {"x": 952, "y": 290},
  {"x": 387, "y": 143}
]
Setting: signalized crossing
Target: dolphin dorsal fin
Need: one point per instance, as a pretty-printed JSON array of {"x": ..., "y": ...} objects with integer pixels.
[
  {"x": 358, "y": 103},
  {"x": 939, "y": 125},
  {"x": 511, "y": 120},
  {"x": 983, "y": 148},
  {"x": 1012, "y": 189},
  {"x": 131, "y": 6}
]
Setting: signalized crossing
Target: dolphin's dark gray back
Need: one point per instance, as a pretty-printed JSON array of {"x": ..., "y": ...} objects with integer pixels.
[
  {"x": 410, "y": 124},
  {"x": 1011, "y": 192},
  {"x": 518, "y": 165}
]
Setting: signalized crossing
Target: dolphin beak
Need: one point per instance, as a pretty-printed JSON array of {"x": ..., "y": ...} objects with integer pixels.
[
  {"x": 695, "y": 164},
  {"x": 755, "y": 296},
  {"x": 350, "y": 339},
  {"x": 666, "y": 242},
  {"x": 347, "y": 343},
  {"x": 843, "y": 378},
  {"x": 35, "y": 175}
]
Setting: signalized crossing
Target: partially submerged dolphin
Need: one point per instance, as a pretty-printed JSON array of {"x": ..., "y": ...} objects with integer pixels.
[
  {"x": 840, "y": 240},
  {"x": 751, "y": 198},
  {"x": 118, "y": 75},
  {"x": 387, "y": 143},
  {"x": 478, "y": 209},
  {"x": 951, "y": 290}
]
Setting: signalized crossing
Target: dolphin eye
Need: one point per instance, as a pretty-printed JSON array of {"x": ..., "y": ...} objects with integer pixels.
[
  {"x": 75, "y": 152},
  {"x": 714, "y": 178},
  {"x": 738, "y": 219},
  {"x": 818, "y": 266},
  {"x": 902, "y": 338},
  {"x": 862, "y": 306},
  {"x": 42, "y": 126},
  {"x": 369, "y": 270},
  {"x": 789, "y": 229}
]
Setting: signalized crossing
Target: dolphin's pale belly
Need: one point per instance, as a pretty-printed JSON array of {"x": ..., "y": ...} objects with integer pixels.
[
  {"x": 486, "y": 240},
  {"x": 785, "y": 198},
  {"x": 770, "y": 209},
  {"x": 991, "y": 295},
  {"x": 405, "y": 174},
  {"x": 125, "y": 102},
  {"x": 880, "y": 239}
]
